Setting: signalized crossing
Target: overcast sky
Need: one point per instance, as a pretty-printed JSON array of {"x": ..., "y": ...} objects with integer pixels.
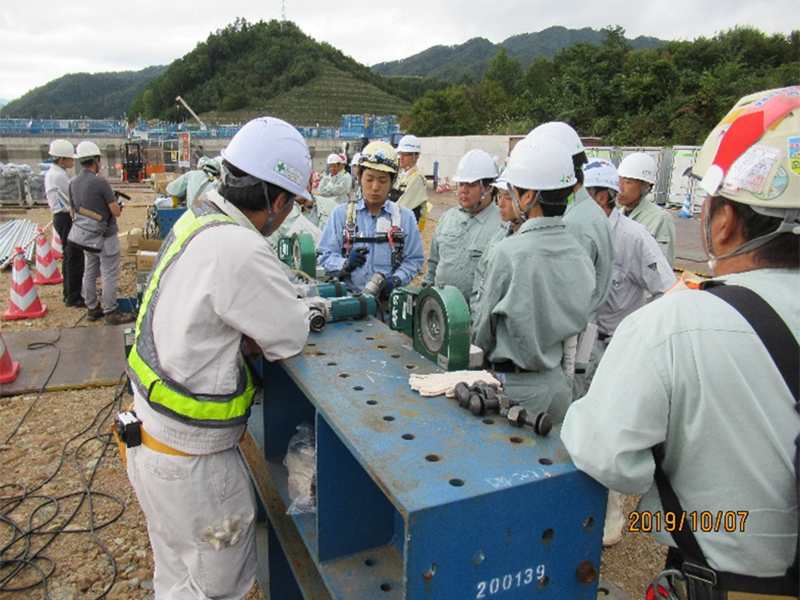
[{"x": 41, "y": 41}]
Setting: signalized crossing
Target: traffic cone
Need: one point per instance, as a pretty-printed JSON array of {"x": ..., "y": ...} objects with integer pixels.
[
  {"x": 56, "y": 247},
  {"x": 8, "y": 368},
  {"x": 686, "y": 211},
  {"x": 47, "y": 272},
  {"x": 25, "y": 302},
  {"x": 446, "y": 184}
]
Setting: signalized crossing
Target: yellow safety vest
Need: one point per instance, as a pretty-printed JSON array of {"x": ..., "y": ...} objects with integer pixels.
[{"x": 163, "y": 394}]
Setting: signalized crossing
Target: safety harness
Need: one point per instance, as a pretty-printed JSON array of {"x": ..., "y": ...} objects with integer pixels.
[
  {"x": 703, "y": 582},
  {"x": 394, "y": 237}
]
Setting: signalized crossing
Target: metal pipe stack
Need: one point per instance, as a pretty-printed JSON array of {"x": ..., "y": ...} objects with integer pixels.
[{"x": 17, "y": 233}]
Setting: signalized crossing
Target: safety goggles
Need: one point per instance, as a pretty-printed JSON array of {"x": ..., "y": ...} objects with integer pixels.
[{"x": 378, "y": 159}]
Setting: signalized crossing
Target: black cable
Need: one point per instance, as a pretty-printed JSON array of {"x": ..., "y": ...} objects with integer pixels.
[{"x": 14, "y": 564}]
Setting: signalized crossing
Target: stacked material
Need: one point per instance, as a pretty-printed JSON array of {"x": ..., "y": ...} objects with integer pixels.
[{"x": 17, "y": 233}]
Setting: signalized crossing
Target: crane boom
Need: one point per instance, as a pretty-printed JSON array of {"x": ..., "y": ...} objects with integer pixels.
[{"x": 194, "y": 114}]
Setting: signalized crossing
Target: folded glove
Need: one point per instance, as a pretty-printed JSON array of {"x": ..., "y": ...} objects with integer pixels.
[
  {"x": 437, "y": 384},
  {"x": 357, "y": 258}
]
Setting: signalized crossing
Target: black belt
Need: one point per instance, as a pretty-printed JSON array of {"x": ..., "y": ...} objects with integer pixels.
[{"x": 507, "y": 367}]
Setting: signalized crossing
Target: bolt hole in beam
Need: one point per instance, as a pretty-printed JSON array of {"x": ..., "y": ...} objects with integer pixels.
[
  {"x": 478, "y": 557},
  {"x": 516, "y": 440},
  {"x": 311, "y": 344},
  {"x": 408, "y": 436},
  {"x": 332, "y": 364},
  {"x": 545, "y": 461},
  {"x": 359, "y": 331},
  {"x": 548, "y": 535},
  {"x": 358, "y": 388},
  {"x": 588, "y": 524},
  {"x": 544, "y": 583},
  {"x": 430, "y": 572},
  {"x": 411, "y": 367},
  {"x": 386, "y": 587},
  {"x": 370, "y": 562},
  {"x": 370, "y": 338},
  {"x": 395, "y": 356},
  {"x": 382, "y": 346},
  {"x": 489, "y": 421},
  {"x": 388, "y": 418},
  {"x": 372, "y": 402},
  {"x": 457, "y": 482},
  {"x": 433, "y": 458},
  {"x": 344, "y": 375}
]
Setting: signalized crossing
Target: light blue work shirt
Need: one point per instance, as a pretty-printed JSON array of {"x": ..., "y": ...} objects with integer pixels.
[
  {"x": 459, "y": 242},
  {"x": 585, "y": 220},
  {"x": 689, "y": 374},
  {"x": 660, "y": 223},
  {"x": 379, "y": 258},
  {"x": 192, "y": 186}
]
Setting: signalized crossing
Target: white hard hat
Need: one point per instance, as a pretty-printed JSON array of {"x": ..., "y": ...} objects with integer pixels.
[
  {"x": 356, "y": 158},
  {"x": 334, "y": 159},
  {"x": 272, "y": 150},
  {"x": 561, "y": 132},
  {"x": 86, "y": 149},
  {"x": 766, "y": 173},
  {"x": 541, "y": 164},
  {"x": 62, "y": 149},
  {"x": 410, "y": 144},
  {"x": 639, "y": 166},
  {"x": 475, "y": 165},
  {"x": 601, "y": 173}
]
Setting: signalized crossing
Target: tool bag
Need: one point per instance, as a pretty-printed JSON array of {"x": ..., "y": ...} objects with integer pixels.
[
  {"x": 701, "y": 581},
  {"x": 88, "y": 230}
]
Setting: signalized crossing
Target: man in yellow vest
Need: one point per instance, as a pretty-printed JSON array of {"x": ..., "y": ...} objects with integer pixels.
[
  {"x": 409, "y": 188},
  {"x": 217, "y": 291}
]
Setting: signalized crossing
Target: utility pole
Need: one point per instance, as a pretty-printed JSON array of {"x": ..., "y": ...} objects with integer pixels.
[{"x": 283, "y": 11}]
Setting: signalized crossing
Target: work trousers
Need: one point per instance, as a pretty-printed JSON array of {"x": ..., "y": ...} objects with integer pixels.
[
  {"x": 189, "y": 500},
  {"x": 106, "y": 264},
  {"x": 545, "y": 391},
  {"x": 72, "y": 263}
]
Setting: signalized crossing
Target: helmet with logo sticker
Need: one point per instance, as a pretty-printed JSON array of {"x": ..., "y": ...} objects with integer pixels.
[{"x": 753, "y": 154}]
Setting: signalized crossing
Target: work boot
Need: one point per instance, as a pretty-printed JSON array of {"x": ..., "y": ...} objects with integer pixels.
[
  {"x": 93, "y": 314},
  {"x": 118, "y": 318},
  {"x": 79, "y": 303}
]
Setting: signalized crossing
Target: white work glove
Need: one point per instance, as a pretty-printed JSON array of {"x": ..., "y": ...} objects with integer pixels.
[
  {"x": 445, "y": 383},
  {"x": 227, "y": 535}
]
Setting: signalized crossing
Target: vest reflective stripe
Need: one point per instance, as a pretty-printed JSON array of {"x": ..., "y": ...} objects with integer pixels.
[{"x": 163, "y": 394}]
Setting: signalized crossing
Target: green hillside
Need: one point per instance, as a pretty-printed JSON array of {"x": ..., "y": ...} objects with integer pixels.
[
  {"x": 471, "y": 60},
  {"x": 83, "y": 95},
  {"x": 323, "y": 101}
]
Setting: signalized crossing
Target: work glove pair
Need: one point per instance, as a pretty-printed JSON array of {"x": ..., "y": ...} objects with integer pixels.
[{"x": 437, "y": 384}]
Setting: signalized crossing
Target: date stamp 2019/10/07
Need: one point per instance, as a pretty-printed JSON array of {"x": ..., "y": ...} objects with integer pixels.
[{"x": 705, "y": 521}]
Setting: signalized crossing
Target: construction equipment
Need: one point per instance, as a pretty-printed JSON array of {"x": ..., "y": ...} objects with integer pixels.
[
  {"x": 203, "y": 126},
  {"x": 133, "y": 168},
  {"x": 437, "y": 319}
]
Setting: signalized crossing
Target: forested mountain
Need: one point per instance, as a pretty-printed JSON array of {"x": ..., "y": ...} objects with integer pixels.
[
  {"x": 469, "y": 61},
  {"x": 671, "y": 94},
  {"x": 245, "y": 65},
  {"x": 83, "y": 95}
]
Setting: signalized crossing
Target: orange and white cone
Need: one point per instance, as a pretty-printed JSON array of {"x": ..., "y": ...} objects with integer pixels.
[
  {"x": 8, "y": 368},
  {"x": 446, "y": 184},
  {"x": 56, "y": 247},
  {"x": 25, "y": 303},
  {"x": 47, "y": 272}
]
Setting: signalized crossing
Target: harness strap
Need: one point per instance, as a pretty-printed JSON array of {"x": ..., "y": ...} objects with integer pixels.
[{"x": 703, "y": 581}]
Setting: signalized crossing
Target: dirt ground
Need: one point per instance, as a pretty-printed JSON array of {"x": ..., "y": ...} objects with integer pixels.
[{"x": 68, "y": 513}]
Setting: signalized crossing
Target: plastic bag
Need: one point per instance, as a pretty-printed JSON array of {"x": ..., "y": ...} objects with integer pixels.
[{"x": 301, "y": 460}]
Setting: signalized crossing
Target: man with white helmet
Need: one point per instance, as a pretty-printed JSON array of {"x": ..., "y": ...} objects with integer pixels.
[
  {"x": 192, "y": 187},
  {"x": 538, "y": 283},
  {"x": 637, "y": 176},
  {"x": 409, "y": 188},
  {"x": 354, "y": 174},
  {"x": 465, "y": 232},
  {"x": 91, "y": 194},
  {"x": 336, "y": 183},
  {"x": 590, "y": 226},
  {"x": 56, "y": 189},
  {"x": 706, "y": 423},
  {"x": 217, "y": 291},
  {"x": 640, "y": 269},
  {"x": 373, "y": 234}
]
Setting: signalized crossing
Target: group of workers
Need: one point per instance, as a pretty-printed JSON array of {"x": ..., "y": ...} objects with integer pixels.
[
  {"x": 89, "y": 194},
  {"x": 687, "y": 401}
]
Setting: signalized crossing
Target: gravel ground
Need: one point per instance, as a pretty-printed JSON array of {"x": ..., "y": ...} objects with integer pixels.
[{"x": 63, "y": 484}]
